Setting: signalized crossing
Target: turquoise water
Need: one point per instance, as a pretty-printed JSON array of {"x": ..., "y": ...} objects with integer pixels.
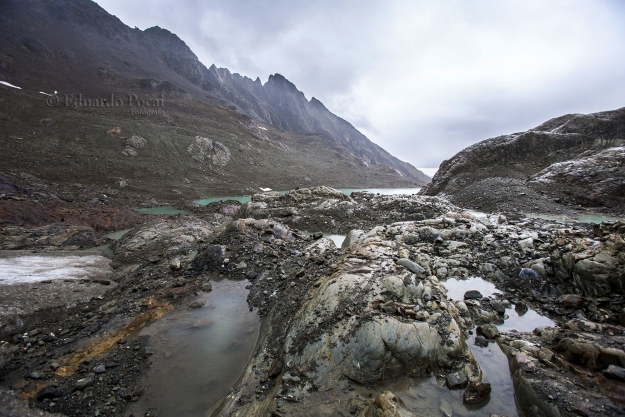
[
  {"x": 106, "y": 249},
  {"x": 117, "y": 235},
  {"x": 161, "y": 210}
]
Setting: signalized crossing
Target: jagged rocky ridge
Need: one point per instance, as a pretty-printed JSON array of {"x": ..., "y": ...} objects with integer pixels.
[
  {"x": 573, "y": 160},
  {"x": 88, "y": 51}
]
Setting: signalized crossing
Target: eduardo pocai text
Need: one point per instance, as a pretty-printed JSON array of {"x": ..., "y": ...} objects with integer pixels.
[{"x": 138, "y": 105}]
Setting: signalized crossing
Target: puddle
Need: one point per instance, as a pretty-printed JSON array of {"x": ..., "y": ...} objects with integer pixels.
[
  {"x": 426, "y": 395},
  {"x": 199, "y": 353},
  {"x": 580, "y": 218},
  {"x": 162, "y": 210},
  {"x": 516, "y": 318},
  {"x": 337, "y": 239},
  {"x": 106, "y": 250},
  {"x": 457, "y": 287},
  {"x": 118, "y": 234}
]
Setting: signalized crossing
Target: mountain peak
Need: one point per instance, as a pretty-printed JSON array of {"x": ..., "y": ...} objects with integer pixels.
[
  {"x": 316, "y": 103},
  {"x": 165, "y": 35}
]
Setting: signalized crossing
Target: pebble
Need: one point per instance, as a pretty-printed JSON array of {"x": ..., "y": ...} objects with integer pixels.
[
  {"x": 197, "y": 304},
  {"x": 446, "y": 409},
  {"x": 615, "y": 372},
  {"x": 83, "y": 383},
  {"x": 411, "y": 266},
  {"x": 481, "y": 341},
  {"x": 152, "y": 412},
  {"x": 100, "y": 369},
  {"x": 489, "y": 331},
  {"x": 456, "y": 379}
]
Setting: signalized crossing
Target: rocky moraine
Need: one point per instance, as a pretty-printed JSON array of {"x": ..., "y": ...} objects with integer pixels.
[{"x": 337, "y": 324}]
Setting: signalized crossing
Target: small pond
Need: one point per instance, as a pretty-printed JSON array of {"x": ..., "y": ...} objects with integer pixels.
[
  {"x": 106, "y": 249},
  {"x": 199, "y": 353}
]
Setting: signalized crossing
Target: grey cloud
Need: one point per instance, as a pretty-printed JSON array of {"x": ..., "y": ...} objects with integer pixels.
[{"x": 423, "y": 79}]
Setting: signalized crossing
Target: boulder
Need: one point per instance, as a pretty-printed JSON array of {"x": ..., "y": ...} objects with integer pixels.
[{"x": 476, "y": 392}]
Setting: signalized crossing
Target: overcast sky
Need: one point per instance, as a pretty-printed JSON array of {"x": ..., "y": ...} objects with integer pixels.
[{"x": 423, "y": 79}]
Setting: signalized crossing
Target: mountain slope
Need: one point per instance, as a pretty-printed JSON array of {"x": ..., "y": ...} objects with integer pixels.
[
  {"x": 572, "y": 160},
  {"x": 76, "y": 47}
]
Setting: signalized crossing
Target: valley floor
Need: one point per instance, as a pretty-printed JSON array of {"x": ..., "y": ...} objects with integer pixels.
[{"x": 342, "y": 331}]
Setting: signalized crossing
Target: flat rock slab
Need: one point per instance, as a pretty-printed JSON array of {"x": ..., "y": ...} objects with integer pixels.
[{"x": 31, "y": 283}]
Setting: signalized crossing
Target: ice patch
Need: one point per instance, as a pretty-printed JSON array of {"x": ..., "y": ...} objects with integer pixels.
[
  {"x": 36, "y": 268},
  {"x": 262, "y": 128},
  {"x": 10, "y": 85},
  {"x": 265, "y": 189}
]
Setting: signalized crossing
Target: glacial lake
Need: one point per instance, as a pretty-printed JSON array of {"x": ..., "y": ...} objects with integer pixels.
[{"x": 348, "y": 191}]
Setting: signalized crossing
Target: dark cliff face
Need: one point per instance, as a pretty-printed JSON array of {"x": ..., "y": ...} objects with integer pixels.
[
  {"x": 74, "y": 36},
  {"x": 520, "y": 159}
]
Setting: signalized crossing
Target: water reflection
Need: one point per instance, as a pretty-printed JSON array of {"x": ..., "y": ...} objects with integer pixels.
[{"x": 430, "y": 396}]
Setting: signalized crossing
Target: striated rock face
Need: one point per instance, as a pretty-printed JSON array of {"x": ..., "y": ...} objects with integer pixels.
[
  {"x": 597, "y": 180},
  {"x": 579, "y": 350},
  {"x": 362, "y": 322},
  {"x": 596, "y": 267},
  {"x": 562, "y": 160},
  {"x": 167, "y": 238}
]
